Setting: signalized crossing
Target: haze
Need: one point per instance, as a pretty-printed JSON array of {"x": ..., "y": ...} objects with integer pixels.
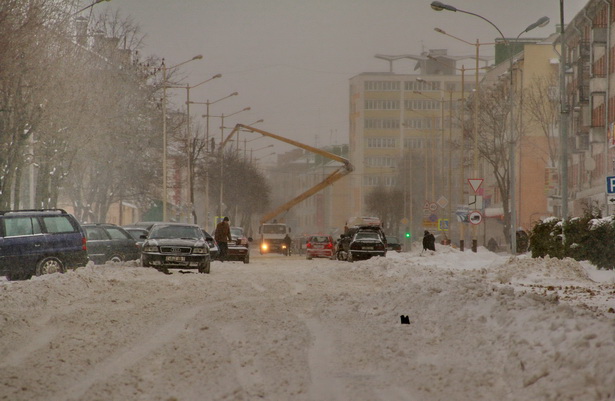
[{"x": 291, "y": 60}]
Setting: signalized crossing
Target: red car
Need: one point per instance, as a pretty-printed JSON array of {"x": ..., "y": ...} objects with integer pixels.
[{"x": 320, "y": 246}]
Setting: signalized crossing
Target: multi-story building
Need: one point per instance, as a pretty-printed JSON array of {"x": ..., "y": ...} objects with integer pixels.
[
  {"x": 590, "y": 106},
  {"x": 404, "y": 134}
]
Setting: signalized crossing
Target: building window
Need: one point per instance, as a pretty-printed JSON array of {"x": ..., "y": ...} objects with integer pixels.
[
  {"x": 421, "y": 104},
  {"x": 371, "y": 180},
  {"x": 381, "y": 123},
  {"x": 422, "y": 86},
  {"x": 380, "y": 161},
  {"x": 382, "y": 86},
  {"x": 418, "y": 123},
  {"x": 415, "y": 143},
  {"x": 379, "y": 104},
  {"x": 381, "y": 142}
]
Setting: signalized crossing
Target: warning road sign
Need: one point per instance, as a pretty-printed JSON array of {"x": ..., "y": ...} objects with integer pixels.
[{"x": 475, "y": 183}]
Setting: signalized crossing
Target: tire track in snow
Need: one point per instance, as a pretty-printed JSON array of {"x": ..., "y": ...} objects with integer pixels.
[{"x": 126, "y": 357}]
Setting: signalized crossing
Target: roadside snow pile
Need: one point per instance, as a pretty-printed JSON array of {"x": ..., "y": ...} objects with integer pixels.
[{"x": 541, "y": 270}]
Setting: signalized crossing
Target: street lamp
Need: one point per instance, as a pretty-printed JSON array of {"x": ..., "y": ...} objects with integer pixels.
[
  {"x": 206, "y": 116},
  {"x": 164, "y": 130},
  {"x": 256, "y": 150},
  {"x": 221, "y": 149},
  {"x": 190, "y": 144},
  {"x": 543, "y": 21},
  {"x": 91, "y": 5}
]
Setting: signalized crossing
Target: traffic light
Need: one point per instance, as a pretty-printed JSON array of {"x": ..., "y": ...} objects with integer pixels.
[{"x": 408, "y": 234}]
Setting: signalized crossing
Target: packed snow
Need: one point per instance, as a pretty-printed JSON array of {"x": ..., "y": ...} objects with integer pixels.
[{"x": 482, "y": 326}]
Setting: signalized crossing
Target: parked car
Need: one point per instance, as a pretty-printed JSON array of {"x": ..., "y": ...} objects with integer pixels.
[
  {"x": 110, "y": 243},
  {"x": 393, "y": 244},
  {"x": 137, "y": 233},
  {"x": 239, "y": 247},
  {"x": 213, "y": 245},
  {"x": 176, "y": 245},
  {"x": 366, "y": 243},
  {"x": 37, "y": 242},
  {"x": 320, "y": 246}
]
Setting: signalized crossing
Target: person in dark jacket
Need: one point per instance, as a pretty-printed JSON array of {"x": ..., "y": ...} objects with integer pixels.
[
  {"x": 429, "y": 241},
  {"x": 222, "y": 235}
]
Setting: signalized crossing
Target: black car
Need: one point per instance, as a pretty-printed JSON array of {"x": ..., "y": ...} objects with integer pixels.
[
  {"x": 393, "y": 244},
  {"x": 137, "y": 233},
  {"x": 365, "y": 244},
  {"x": 110, "y": 243},
  {"x": 36, "y": 242},
  {"x": 176, "y": 245},
  {"x": 213, "y": 245}
]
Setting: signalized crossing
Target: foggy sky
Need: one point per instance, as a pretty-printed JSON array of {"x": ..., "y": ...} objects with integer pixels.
[{"x": 290, "y": 60}]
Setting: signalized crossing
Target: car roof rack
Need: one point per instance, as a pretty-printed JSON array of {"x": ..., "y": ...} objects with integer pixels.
[{"x": 3, "y": 212}]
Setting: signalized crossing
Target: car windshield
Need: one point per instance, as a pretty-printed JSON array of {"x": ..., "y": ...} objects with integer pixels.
[
  {"x": 236, "y": 232},
  {"x": 274, "y": 229},
  {"x": 392, "y": 240},
  {"x": 136, "y": 233},
  {"x": 175, "y": 231},
  {"x": 367, "y": 235},
  {"x": 319, "y": 239}
]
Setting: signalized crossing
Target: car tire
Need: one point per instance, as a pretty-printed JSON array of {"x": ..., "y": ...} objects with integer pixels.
[
  {"x": 205, "y": 269},
  {"x": 49, "y": 265},
  {"x": 308, "y": 257},
  {"x": 116, "y": 259},
  {"x": 17, "y": 276},
  {"x": 246, "y": 259}
]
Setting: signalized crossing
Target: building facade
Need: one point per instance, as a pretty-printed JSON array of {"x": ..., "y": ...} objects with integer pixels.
[{"x": 405, "y": 135}]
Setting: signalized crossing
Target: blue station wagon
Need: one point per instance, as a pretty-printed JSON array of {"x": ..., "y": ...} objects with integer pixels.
[{"x": 37, "y": 242}]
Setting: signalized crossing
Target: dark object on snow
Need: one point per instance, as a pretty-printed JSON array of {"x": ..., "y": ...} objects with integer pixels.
[
  {"x": 405, "y": 319},
  {"x": 429, "y": 241}
]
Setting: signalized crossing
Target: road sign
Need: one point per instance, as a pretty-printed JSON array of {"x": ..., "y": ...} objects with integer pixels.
[
  {"x": 475, "y": 217},
  {"x": 442, "y": 202},
  {"x": 610, "y": 185},
  {"x": 443, "y": 225},
  {"x": 475, "y": 183}
]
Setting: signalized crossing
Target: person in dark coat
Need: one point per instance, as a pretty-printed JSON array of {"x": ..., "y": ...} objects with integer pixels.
[
  {"x": 222, "y": 235},
  {"x": 429, "y": 241}
]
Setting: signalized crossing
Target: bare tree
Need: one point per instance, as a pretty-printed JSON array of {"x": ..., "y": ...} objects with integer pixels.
[{"x": 541, "y": 104}]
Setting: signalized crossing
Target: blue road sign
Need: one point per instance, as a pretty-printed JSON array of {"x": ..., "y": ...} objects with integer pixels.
[{"x": 610, "y": 185}]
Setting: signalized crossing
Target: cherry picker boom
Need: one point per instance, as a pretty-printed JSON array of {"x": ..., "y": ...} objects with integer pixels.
[{"x": 343, "y": 170}]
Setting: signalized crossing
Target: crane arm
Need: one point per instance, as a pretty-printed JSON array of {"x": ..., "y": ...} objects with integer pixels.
[{"x": 330, "y": 179}]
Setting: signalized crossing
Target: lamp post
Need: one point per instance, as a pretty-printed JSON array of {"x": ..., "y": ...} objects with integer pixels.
[
  {"x": 189, "y": 141},
  {"x": 256, "y": 150},
  {"x": 91, "y": 5},
  {"x": 221, "y": 150},
  {"x": 207, "y": 150},
  {"x": 543, "y": 21},
  {"x": 164, "y": 130}
]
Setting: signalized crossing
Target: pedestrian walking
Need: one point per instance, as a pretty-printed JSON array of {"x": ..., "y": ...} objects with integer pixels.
[{"x": 222, "y": 236}]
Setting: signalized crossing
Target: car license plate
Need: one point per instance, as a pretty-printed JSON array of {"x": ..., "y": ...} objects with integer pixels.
[
  {"x": 176, "y": 258},
  {"x": 318, "y": 246},
  {"x": 368, "y": 248}
]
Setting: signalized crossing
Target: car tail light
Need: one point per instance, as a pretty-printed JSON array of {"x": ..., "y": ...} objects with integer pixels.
[
  {"x": 308, "y": 245},
  {"x": 84, "y": 244},
  {"x": 329, "y": 245}
]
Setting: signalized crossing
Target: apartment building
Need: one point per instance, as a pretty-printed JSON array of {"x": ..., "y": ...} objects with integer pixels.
[{"x": 405, "y": 134}]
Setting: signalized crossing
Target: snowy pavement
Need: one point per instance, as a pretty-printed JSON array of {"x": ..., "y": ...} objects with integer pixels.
[{"x": 482, "y": 327}]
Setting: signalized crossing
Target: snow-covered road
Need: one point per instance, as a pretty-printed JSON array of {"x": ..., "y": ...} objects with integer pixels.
[{"x": 482, "y": 327}]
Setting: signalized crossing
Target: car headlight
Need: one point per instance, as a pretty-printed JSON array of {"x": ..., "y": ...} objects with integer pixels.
[
  {"x": 150, "y": 248},
  {"x": 201, "y": 250}
]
